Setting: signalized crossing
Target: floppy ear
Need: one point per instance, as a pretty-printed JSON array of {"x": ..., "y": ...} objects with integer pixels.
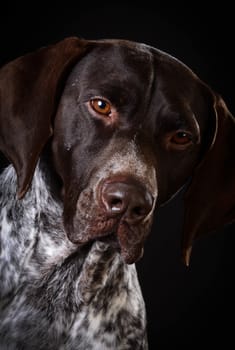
[
  {"x": 210, "y": 199},
  {"x": 29, "y": 92}
]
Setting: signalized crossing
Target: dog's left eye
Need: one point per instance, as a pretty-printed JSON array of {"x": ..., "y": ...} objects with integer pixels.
[{"x": 101, "y": 106}]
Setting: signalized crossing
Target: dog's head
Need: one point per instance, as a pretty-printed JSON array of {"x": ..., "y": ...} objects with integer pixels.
[{"x": 127, "y": 125}]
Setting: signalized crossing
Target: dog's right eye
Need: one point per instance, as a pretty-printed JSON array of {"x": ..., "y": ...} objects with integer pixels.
[
  {"x": 181, "y": 138},
  {"x": 101, "y": 106}
]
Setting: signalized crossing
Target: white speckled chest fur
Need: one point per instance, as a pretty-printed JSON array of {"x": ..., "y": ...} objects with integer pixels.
[{"x": 54, "y": 296}]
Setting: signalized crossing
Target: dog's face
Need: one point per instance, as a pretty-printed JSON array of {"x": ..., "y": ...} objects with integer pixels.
[
  {"x": 128, "y": 126},
  {"x": 127, "y": 135}
]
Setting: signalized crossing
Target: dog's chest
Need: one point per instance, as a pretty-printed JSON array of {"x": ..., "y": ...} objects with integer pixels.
[
  {"x": 115, "y": 319},
  {"x": 54, "y": 296},
  {"x": 93, "y": 306}
]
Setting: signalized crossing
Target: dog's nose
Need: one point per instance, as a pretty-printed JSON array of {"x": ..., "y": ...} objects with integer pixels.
[{"x": 129, "y": 198}]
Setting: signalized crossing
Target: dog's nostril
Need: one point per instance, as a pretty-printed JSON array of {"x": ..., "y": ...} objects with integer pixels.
[
  {"x": 138, "y": 211},
  {"x": 113, "y": 198},
  {"x": 139, "y": 207},
  {"x": 116, "y": 204}
]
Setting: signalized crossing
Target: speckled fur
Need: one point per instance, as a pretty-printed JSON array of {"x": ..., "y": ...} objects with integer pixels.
[{"x": 54, "y": 295}]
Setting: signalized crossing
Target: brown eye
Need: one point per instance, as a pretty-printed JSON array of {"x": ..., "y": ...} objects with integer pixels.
[
  {"x": 181, "y": 138},
  {"x": 101, "y": 106}
]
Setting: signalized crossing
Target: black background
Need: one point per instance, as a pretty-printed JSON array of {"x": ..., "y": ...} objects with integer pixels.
[{"x": 188, "y": 308}]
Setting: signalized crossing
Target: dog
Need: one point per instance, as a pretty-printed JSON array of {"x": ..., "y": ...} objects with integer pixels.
[{"x": 95, "y": 136}]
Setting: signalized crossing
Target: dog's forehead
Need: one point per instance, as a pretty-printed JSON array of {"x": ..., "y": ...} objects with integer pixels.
[
  {"x": 115, "y": 60},
  {"x": 123, "y": 60},
  {"x": 142, "y": 53},
  {"x": 135, "y": 51}
]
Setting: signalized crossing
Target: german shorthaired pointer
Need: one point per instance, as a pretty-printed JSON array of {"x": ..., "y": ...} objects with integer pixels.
[{"x": 97, "y": 135}]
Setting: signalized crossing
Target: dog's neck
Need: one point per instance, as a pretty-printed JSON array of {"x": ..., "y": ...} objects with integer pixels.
[{"x": 35, "y": 224}]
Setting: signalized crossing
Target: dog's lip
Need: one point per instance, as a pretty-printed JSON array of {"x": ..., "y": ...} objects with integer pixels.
[
  {"x": 130, "y": 256},
  {"x": 126, "y": 239},
  {"x": 130, "y": 253}
]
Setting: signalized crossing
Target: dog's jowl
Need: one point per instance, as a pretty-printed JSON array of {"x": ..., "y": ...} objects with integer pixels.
[{"x": 95, "y": 136}]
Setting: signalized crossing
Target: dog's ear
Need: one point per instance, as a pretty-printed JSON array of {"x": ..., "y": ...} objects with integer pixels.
[
  {"x": 30, "y": 87},
  {"x": 210, "y": 198}
]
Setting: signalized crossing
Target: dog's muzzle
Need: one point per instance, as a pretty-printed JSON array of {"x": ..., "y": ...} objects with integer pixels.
[{"x": 120, "y": 214}]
